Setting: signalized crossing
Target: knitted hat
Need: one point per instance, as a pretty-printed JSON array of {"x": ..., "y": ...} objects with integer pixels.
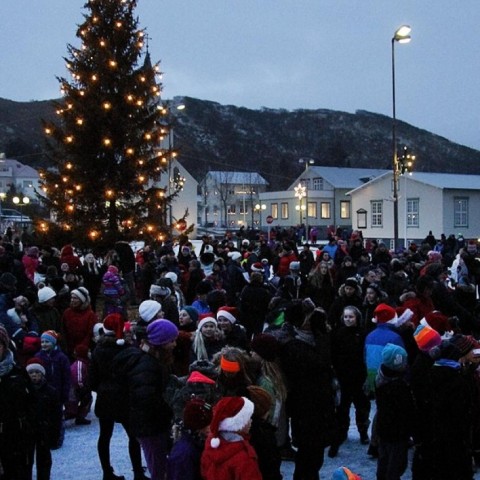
[
  {"x": 294, "y": 266},
  {"x": 351, "y": 282},
  {"x": 45, "y": 294},
  {"x": 394, "y": 357},
  {"x": 159, "y": 291},
  {"x": 343, "y": 473},
  {"x": 205, "y": 320},
  {"x": 192, "y": 313},
  {"x": 438, "y": 321},
  {"x": 148, "y": 309},
  {"x": 113, "y": 325},
  {"x": 230, "y": 414},
  {"x": 35, "y": 364},
  {"x": 4, "y": 338},
  {"x": 257, "y": 267},
  {"x": 82, "y": 294},
  {"x": 265, "y": 345},
  {"x": 384, "y": 313},
  {"x": 8, "y": 281},
  {"x": 458, "y": 346},
  {"x": 262, "y": 400},
  {"x": 427, "y": 338},
  {"x": 160, "y": 332},
  {"x": 50, "y": 336},
  {"x": 81, "y": 351},
  {"x": 235, "y": 255},
  {"x": 172, "y": 276},
  {"x": 197, "y": 377},
  {"x": 230, "y": 313},
  {"x": 197, "y": 414},
  {"x": 205, "y": 367}
]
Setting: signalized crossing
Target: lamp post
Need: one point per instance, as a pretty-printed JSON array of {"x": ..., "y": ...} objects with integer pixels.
[
  {"x": 405, "y": 163},
  {"x": 401, "y": 35},
  {"x": 258, "y": 208},
  {"x": 3, "y": 195},
  {"x": 21, "y": 202},
  {"x": 300, "y": 192}
]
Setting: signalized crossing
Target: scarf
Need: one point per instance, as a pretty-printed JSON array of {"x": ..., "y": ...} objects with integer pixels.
[{"x": 6, "y": 364}]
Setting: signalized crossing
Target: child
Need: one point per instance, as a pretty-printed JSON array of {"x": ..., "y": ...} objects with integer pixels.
[
  {"x": 228, "y": 455},
  {"x": 80, "y": 396},
  {"x": 114, "y": 292},
  {"x": 184, "y": 458},
  {"x": 395, "y": 410},
  {"x": 208, "y": 340},
  {"x": 47, "y": 418}
]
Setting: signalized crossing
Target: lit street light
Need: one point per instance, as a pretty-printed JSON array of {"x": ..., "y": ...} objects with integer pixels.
[
  {"x": 21, "y": 202},
  {"x": 300, "y": 193},
  {"x": 259, "y": 208},
  {"x": 401, "y": 35}
]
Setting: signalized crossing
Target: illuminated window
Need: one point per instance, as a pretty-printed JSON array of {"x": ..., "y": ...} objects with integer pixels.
[
  {"x": 344, "y": 209},
  {"x": 275, "y": 210},
  {"x": 312, "y": 209},
  {"x": 284, "y": 210},
  {"x": 325, "y": 210}
]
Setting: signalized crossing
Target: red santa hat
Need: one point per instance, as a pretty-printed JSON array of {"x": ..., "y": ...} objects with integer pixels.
[
  {"x": 230, "y": 414},
  {"x": 257, "y": 267},
  {"x": 384, "y": 314},
  {"x": 230, "y": 313}
]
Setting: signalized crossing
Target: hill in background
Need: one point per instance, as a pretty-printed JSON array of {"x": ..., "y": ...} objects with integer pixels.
[{"x": 211, "y": 136}]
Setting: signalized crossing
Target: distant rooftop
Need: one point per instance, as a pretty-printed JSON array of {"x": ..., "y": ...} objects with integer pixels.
[
  {"x": 18, "y": 169},
  {"x": 238, "y": 178}
]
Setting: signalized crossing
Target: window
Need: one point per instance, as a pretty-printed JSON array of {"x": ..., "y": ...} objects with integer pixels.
[
  {"x": 243, "y": 209},
  {"x": 284, "y": 210},
  {"x": 231, "y": 210},
  {"x": 325, "y": 210},
  {"x": 275, "y": 210},
  {"x": 345, "y": 209},
  {"x": 460, "y": 212},
  {"x": 377, "y": 213},
  {"x": 413, "y": 217},
  {"x": 27, "y": 184},
  {"x": 312, "y": 209},
  {"x": 317, "y": 183}
]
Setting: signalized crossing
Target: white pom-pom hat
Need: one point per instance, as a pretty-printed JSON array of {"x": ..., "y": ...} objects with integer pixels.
[{"x": 230, "y": 414}]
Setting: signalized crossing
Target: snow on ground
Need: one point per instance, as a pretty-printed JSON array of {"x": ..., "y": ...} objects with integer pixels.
[{"x": 78, "y": 459}]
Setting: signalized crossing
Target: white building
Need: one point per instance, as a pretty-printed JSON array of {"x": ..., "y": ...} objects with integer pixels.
[
  {"x": 440, "y": 202},
  {"x": 22, "y": 178},
  {"x": 325, "y": 202},
  {"x": 228, "y": 199}
]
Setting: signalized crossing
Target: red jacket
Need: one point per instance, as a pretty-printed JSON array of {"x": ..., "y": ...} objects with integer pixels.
[
  {"x": 78, "y": 327},
  {"x": 230, "y": 461},
  {"x": 284, "y": 264}
]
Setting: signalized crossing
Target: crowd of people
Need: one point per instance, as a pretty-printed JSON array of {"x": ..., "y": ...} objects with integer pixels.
[{"x": 222, "y": 362}]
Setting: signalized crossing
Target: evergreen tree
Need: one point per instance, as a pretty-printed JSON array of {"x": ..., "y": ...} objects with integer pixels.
[{"x": 106, "y": 146}]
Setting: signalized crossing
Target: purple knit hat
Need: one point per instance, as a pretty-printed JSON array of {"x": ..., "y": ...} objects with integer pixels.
[{"x": 160, "y": 332}]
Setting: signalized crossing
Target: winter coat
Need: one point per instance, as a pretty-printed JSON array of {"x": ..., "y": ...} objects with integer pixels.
[
  {"x": 184, "y": 458},
  {"x": 263, "y": 440},
  {"x": 283, "y": 268},
  {"x": 78, "y": 327},
  {"x": 254, "y": 301},
  {"x": 237, "y": 337},
  {"x": 16, "y": 418},
  {"x": 230, "y": 461},
  {"x": 112, "y": 396},
  {"x": 145, "y": 380},
  {"x": 342, "y": 301},
  {"x": 452, "y": 421},
  {"x": 30, "y": 264},
  {"x": 67, "y": 256},
  {"x": 48, "y": 318},
  {"x": 395, "y": 406},
  {"x": 374, "y": 344},
  {"x": 310, "y": 400},
  {"x": 347, "y": 356},
  {"x": 235, "y": 282},
  {"x": 57, "y": 371},
  {"x": 47, "y": 421}
]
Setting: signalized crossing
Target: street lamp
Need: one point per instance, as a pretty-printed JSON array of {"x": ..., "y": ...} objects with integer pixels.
[
  {"x": 401, "y": 35},
  {"x": 258, "y": 208},
  {"x": 21, "y": 202},
  {"x": 3, "y": 195}
]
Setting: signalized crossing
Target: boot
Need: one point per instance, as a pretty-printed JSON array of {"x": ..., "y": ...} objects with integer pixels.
[
  {"x": 140, "y": 475},
  {"x": 112, "y": 476}
]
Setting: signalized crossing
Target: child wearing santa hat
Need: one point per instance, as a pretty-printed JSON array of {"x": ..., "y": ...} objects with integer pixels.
[
  {"x": 235, "y": 334},
  {"x": 228, "y": 454}
]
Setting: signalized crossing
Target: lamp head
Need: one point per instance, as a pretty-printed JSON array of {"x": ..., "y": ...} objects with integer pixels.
[{"x": 402, "y": 34}]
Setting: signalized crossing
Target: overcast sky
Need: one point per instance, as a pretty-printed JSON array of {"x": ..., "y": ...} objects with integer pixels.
[{"x": 333, "y": 54}]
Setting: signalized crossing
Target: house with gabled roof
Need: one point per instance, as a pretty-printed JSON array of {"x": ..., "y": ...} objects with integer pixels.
[
  {"x": 324, "y": 203},
  {"x": 18, "y": 177},
  {"x": 229, "y": 198},
  {"x": 441, "y": 202}
]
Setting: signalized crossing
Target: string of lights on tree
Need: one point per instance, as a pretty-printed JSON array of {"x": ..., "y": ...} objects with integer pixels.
[{"x": 105, "y": 146}]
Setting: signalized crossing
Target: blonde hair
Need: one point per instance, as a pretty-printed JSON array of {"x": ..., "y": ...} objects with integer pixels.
[{"x": 199, "y": 343}]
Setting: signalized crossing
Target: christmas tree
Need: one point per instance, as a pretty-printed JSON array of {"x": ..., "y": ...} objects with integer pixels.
[{"x": 106, "y": 146}]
